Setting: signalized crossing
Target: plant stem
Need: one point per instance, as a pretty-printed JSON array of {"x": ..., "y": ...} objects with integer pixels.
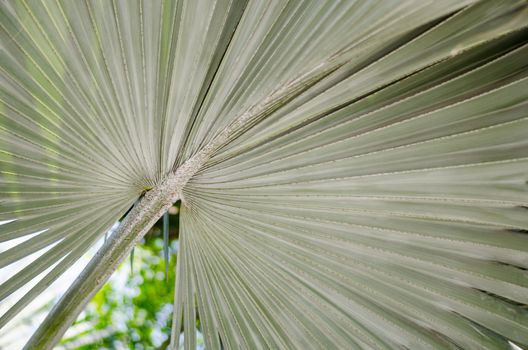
[{"x": 116, "y": 248}]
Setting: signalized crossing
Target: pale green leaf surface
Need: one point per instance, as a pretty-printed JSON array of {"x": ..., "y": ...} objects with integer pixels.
[{"x": 371, "y": 192}]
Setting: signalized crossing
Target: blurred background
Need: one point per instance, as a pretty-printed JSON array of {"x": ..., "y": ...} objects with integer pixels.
[{"x": 132, "y": 311}]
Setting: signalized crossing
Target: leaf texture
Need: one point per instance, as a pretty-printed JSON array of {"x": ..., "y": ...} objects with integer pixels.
[{"x": 379, "y": 200}]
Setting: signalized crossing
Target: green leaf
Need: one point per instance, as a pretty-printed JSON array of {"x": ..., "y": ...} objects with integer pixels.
[{"x": 353, "y": 174}]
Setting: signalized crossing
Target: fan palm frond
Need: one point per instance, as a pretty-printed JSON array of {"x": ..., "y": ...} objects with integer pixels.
[{"x": 352, "y": 174}]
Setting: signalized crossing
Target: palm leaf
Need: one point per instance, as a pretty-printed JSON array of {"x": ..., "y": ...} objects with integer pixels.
[{"x": 353, "y": 174}]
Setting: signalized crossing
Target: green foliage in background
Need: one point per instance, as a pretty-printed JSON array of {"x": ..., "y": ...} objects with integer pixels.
[{"x": 134, "y": 309}]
